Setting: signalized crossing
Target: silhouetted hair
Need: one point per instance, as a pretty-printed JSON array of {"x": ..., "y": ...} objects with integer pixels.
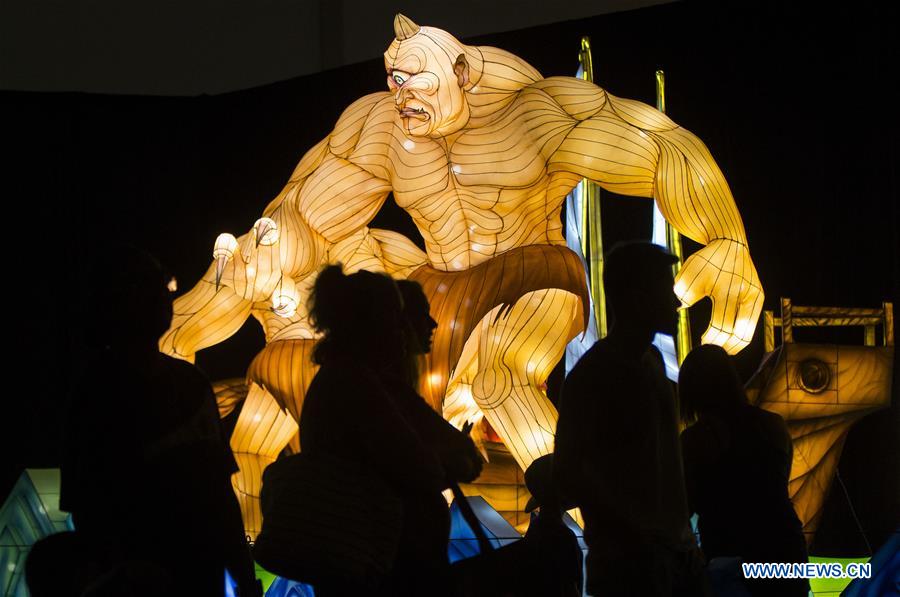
[
  {"x": 631, "y": 264},
  {"x": 409, "y": 368},
  {"x": 127, "y": 297},
  {"x": 57, "y": 565},
  {"x": 708, "y": 381},
  {"x": 409, "y": 290},
  {"x": 544, "y": 491},
  {"x": 359, "y": 315}
]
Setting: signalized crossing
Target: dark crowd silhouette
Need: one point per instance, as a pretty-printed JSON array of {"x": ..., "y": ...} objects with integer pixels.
[
  {"x": 737, "y": 462},
  {"x": 146, "y": 470},
  {"x": 617, "y": 449}
]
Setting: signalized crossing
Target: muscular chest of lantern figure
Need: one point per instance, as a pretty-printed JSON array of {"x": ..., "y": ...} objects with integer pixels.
[{"x": 478, "y": 193}]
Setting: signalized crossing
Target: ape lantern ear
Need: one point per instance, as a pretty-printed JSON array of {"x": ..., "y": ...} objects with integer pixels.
[{"x": 461, "y": 70}]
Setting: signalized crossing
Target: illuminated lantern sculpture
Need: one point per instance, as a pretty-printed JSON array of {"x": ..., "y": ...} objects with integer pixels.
[
  {"x": 285, "y": 299},
  {"x": 266, "y": 232},
  {"x": 821, "y": 390},
  {"x": 481, "y": 151},
  {"x": 223, "y": 252},
  {"x": 242, "y": 281}
]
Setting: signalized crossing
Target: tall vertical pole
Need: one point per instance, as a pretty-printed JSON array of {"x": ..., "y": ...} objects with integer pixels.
[
  {"x": 673, "y": 242},
  {"x": 591, "y": 229}
]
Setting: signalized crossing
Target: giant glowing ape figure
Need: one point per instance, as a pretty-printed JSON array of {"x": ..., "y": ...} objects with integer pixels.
[{"x": 481, "y": 151}]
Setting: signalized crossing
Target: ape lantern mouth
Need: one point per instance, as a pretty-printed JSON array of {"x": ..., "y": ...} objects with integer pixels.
[{"x": 416, "y": 113}]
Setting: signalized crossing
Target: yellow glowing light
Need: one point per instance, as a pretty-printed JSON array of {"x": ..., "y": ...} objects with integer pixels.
[
  {"x": 207, "y": 315},
  {"x": 459, "y": 406},
  {"x": 223, "y": 252},
  {"x": 503, "y": 363},
  {"x": 858, "y": 382},
  {"x": 266, "y": 232},
  {"x": 465, "y": 395},
  {"x": 714, "y": 336},
  {"x": 744, "y": 328},
  {"x": 527, "y": 138},
  {"x": 261, "y": 432},
  {"x": 285, "y": 299},
  {"x": 225, "y": 246}
]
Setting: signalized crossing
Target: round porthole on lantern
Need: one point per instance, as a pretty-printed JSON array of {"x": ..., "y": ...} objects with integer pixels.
[{"x": 814, "y": 375}]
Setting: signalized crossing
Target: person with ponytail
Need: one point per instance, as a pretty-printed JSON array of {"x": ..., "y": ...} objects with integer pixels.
[{"x": 351, "y": 412}]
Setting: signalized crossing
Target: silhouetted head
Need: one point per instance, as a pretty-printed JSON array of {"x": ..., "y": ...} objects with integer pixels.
[
  {"x": 58, "y": 564},
  {"x": 638, "y": 282},
  {"x": 544, "y": 492},
  {"x": 417, "y": 315},
  {"x": 708, "y": 381},
  {"x": 359, "y": 315},
  {"x": 129, "y": 299}
]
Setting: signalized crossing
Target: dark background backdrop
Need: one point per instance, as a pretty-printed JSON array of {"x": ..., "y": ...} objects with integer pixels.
[{"x": 795, "y": 104}]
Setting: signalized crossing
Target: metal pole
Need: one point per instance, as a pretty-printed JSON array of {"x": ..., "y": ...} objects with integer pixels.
[
  {"x": 591, "y": 230},
  {"x": 673, "y": 241}
]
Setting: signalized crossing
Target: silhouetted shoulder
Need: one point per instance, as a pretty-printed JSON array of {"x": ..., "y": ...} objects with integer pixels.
[
  {"x": 772, "y": 420},
  {"x": 656, "y": 356},
  {"x": 342, "y": 395},
  {"x": 705, "y": 441},
  {"x": 192, "y": 390},
  {"x": 345, "y": 377},
  {"x": 596, "y": 360},
  {"x": 600, "y": 368},
  {"x": 187, "y": 372},
  {"x": 774, "y": 426}
]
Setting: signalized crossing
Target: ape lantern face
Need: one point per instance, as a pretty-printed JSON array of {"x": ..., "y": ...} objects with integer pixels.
[{"x": 427, "y": 73}]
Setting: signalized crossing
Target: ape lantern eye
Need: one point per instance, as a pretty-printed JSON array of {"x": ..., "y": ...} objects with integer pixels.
[
  {"x": 398, "y": 79},
  {"x": 814, "y": 375}
]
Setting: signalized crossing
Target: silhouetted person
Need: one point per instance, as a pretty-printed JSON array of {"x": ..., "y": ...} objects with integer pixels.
[
  {"x": 455, "y": 450},
  {"x": 146, "y": 471},
  {"x": 59, "y": 565},
  {"x": 617, "y": 451},
  {"x": 737, "y": 462},
  {"x": 419, "y": 328},
  {"x": 457, "y": 454},
  {"x": 350, "y": 412},
  {"x": 553, "y": 555},
  {"x": 547, "y": 562},
  {"x": 62, "y": 565}
]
